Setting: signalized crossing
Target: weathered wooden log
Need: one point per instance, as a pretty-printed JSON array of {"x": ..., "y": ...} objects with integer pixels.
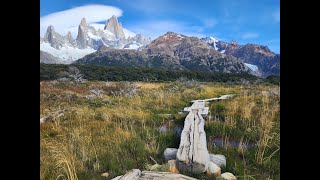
[{"x": 193, "y": 144}]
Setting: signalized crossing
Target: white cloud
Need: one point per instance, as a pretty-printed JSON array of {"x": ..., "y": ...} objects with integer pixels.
[
  {"x": 250, "y": 35},
  {"x": 70, "y": 19},
  {"x": 276, "y": 15}
]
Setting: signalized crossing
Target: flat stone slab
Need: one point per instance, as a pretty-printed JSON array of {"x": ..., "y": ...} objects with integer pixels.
[{"x": 136, "y": 174}]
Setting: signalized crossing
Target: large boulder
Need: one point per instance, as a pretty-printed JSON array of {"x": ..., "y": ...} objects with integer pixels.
[
  {"x": 132, "y": 174},
  {"x": 170, "y": 153},
  {"x": 218, "y": 159},
  {"x": 195, "y": 168},
  {"x": 213, "y": 169}
]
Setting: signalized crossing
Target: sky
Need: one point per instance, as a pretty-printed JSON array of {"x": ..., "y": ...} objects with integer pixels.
[{"x": 246, "y": 21}]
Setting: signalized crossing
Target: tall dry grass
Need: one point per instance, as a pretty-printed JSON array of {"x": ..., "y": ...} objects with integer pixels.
[{"x": 116, "y": 133}]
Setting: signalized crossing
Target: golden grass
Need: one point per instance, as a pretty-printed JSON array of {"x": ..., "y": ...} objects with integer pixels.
[{"x": 91, "y": 139}]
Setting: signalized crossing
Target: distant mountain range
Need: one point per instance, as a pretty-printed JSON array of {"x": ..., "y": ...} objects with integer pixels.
[
  {"x": 259, "y": 58},
  {"x": 67, "y": 49},
  {"x": 112, "y": 46},
  {"x": 170, "y": 51}
]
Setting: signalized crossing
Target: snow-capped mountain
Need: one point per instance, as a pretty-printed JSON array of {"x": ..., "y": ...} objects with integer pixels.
[
  {"x": 258, "y": 58},
  {"x": 169, "y": 51},
  {"x": 90, "y": 37},
  {"x": 211, "y": 41}
]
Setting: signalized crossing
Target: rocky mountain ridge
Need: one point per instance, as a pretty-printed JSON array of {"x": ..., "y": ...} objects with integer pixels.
[
  {"x": 88, "y": 40},
  {"x": 169, "y": 51},
  {"x": 258, "y": 57}
]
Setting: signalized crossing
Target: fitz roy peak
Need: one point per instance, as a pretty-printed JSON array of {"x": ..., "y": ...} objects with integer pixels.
[
  {"x": 66, "y": 49},
  {"x": 113, "y": 26}
]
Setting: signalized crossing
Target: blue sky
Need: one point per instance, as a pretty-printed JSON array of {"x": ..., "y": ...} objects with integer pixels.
[{"x": 246, "y": 21}]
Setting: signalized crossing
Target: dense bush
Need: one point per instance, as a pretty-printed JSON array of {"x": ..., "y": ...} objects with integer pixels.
[
  {"x": 273, "y": 79},
  {"x": 106, "y": 73}
]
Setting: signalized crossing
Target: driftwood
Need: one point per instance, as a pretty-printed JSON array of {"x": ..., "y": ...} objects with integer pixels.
[
  {"x": 193, "y": 155},
  {"x": 193, "y": 150}
]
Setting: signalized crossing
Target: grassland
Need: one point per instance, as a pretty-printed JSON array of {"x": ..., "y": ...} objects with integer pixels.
[{"x": 113, "y": 127}]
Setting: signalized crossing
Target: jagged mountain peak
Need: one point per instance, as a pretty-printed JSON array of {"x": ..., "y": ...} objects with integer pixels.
[
  {"x": 114, "y": 27},
  {"x": 69, "y": 34},
  {"x": 50, "y": 28},
  {"x": 89, "y": 38},
  {"x": 170, "y": 38},
  {"x": 235, "y": 43},
  {"x": 53, "y": 38},
  {"x": 83, "y": 22},
  {"x": 214, "y": 39}
]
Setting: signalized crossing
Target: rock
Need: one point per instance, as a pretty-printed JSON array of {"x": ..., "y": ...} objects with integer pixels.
[
  {"x": 173, "y": 166},
  {"x": 69, "y": 39},
  {"x": 228, "y": 176},
  {"x": 105, "y": 174},
  {"x": 170, "y": 153},
  {"x": 131, "y": 175},
  {"x": 218, "y": 159},
  {"x": 195, "y": 168},
  {"x": 193, "y": 144},
  {"x": 148, "y": 175},
  {"x": 213, "y": 169}
]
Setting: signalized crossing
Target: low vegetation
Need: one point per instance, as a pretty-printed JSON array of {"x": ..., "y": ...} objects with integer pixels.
[
  {"x": 113, "y": 73},
  {"x": 114, "y": 126}
]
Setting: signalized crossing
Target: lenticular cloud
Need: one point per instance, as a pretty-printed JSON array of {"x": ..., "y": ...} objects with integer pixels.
[{"x": 64, "y": 20}]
